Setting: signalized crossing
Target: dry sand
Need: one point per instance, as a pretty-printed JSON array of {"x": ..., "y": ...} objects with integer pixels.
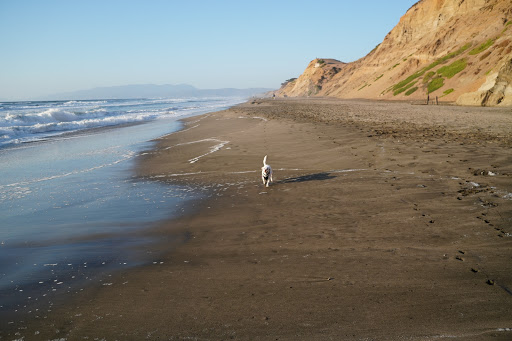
[{"x": 385, "y": 221}]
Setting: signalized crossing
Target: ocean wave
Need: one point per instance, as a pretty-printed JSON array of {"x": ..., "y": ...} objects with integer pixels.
[
  {"x": 53, "y": 115},
  {"x": 49, "y": 104},
  {"x": 69, "y": 122},
  {"x": 31, "y": 121},
  {"x": 18, "y": 127}
]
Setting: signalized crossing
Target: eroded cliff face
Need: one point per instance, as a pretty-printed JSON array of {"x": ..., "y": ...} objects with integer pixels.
[
  {"x": 318, "y": 73},
  {"x": 440, "y": 48},
  {"x": 497, "y": 89}
]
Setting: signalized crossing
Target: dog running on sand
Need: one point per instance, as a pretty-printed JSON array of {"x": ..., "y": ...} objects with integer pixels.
[{"x": 266, "y": 172}]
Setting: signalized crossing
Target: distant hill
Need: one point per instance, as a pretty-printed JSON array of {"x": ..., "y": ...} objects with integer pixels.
[
  {"x": 456, "y": 50},
  {"x": 152, "y": 90}
]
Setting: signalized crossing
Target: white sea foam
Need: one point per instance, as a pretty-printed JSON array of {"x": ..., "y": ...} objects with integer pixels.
[
  {"x": 347, "y": 170},
  {"x": 213, "y": 149},
  {"x": 31, "y": 121},
  {"x": 56, "y": 120},
  {"x": 255, "y": 117},
  {"x": 244, "y": 172}
]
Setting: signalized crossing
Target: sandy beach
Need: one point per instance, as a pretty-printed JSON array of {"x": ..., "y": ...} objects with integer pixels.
[{"x": 385, "y": 221}]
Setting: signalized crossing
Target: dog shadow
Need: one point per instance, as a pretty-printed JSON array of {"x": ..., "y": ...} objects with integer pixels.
[{"x": 310, "y": 177}]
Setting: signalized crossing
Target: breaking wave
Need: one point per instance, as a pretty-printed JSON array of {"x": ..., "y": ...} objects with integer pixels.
[{"x": 32, "y": 121}]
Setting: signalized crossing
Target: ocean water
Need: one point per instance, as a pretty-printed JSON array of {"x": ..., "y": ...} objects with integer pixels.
[{"x": 71, "y": 210}]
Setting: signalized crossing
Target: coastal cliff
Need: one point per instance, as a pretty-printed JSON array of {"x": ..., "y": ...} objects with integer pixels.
[{"x": 455, "y": 50}]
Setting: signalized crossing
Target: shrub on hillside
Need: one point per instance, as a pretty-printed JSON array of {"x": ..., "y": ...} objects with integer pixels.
[
  {"x": 411, "y": 90},
  {"x": 419, "y": 73},
  {"x": 398, "y": 91},
  {"x": 482, "y": 47},
  {"x": 428, "y": 76},
  {"x": 288, "y": 81},
  {"x": 447, "y": 92},
  {"x": 454, "y": 68},
  {"x": 435, "y": 84}
]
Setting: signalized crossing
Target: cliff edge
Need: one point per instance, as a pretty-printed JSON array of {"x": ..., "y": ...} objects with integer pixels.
[{"x": 455, "y": 50}]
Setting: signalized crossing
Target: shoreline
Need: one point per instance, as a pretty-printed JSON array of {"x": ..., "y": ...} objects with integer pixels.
[{"x": 372, "y": 228}]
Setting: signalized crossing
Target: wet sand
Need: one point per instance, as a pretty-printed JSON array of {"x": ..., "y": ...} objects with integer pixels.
[{"x": 385, "y": 221}]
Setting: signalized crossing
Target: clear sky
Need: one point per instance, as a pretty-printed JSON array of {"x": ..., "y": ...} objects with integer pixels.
[{"x": 58, "y": 46}]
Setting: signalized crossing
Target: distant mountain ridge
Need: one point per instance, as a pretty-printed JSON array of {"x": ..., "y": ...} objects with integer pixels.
[
  {"x": 152, "y": 90},
  {"x": 455, "y": 50}
]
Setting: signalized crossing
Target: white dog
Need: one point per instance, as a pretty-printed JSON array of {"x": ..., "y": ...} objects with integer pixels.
[{"x": 266, "y": 172}]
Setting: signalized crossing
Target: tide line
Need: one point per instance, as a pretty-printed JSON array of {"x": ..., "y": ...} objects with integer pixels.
[
  {"x": 213, "y": 149},
  {"x": 125, "y": 157}
]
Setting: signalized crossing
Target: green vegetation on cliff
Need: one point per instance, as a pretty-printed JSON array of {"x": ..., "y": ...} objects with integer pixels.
[
  {"x": 405, "y": 84},
  {"x": 482, "y": 47},
  {"x": 402, "y": 89},
  {"x": 288, "y": 81},
  {"x": 411, "y": 90},
  {"x": 447, "y": 92},
  {"x": 454, "y": 68},
  {"x": 428, "y": 76},
  {"x": 435, "y": 84}
]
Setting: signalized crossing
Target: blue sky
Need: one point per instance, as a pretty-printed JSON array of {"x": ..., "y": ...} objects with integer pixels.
[{"x": 59, "y": 46}]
